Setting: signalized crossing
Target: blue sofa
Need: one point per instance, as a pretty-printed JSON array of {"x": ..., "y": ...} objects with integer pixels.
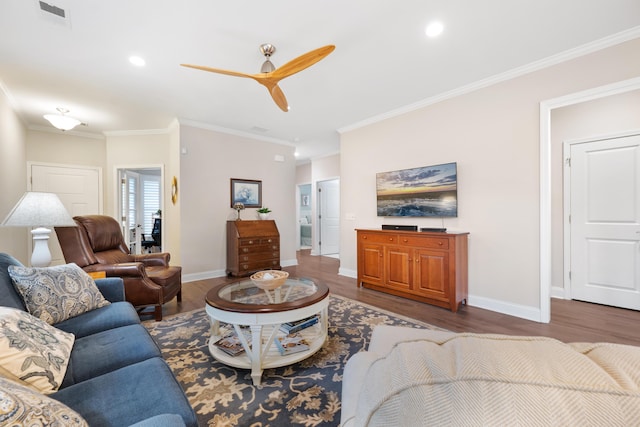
[{"x": 116, "y": 375}]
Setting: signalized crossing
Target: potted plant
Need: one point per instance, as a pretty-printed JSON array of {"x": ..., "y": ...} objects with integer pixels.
[{"x": 263, "y": 213}]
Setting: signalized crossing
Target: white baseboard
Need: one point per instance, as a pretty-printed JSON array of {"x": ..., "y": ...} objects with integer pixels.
[
  {"x": 558, "y": 292},
  {"x": 192, "y": 277},
  {"x": 348, "y": 273},
  {"x": 288, "y": 262},
  {"x": 517, "y": 310}
]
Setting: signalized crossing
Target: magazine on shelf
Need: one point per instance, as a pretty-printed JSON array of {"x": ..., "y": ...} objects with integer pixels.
[
  {"x": 292, "y": 343},
  {"x": 293, "y": 327},
  {"x": 231, "y": 344}
]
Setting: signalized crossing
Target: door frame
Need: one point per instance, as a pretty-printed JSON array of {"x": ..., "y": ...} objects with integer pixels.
[
  {"x": 544, "y": 315},
  {"x": 566, "y": 199},
  {"x": 117, "y": 206}
]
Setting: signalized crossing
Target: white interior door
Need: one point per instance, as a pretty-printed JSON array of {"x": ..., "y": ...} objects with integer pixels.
[
  {"x": 78, "y": 188},
  {"x": 329, "y": 209},
  {"x": 605, "y": 221}
]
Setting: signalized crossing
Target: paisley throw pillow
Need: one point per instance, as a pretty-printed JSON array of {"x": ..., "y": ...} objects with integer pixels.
[
  {"x": 21, "y": 406},
  {"x": 56, "y": 293}
]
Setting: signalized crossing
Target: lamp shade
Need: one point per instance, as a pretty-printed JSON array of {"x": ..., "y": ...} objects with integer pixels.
[{"x": 37, "y": 209}]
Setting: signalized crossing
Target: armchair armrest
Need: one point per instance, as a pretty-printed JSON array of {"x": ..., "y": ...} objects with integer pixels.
[
  {"x": 112, "y": 288},
  {"x": 153, "y": 259},
  {"x": 123, "y": 269}
]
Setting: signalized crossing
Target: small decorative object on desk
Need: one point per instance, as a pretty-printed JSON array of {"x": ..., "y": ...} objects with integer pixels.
[
  {"x": 269, "y": 279},
  {"x": 263, "y": 213},
  {"x": 292, "y": 343},
  {"x": 238, "y": 206}
]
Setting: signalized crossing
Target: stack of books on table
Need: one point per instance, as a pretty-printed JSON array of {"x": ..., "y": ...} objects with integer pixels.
[
  {"x": 231, "y": 344},
  {"x": 298, "y": 325},
  {"x": 292, "y": 343}
]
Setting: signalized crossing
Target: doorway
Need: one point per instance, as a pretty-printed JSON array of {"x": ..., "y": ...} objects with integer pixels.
[
  {"x": 546, "y": 107},
  {"x": 140, "y": 208},
  {"x": 305, "y": 217}
]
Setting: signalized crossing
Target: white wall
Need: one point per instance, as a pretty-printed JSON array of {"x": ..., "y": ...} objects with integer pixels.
[
  {"x": 13, "y": 176},
  {"x": 609, "y": 115},
  {"x": 212, "y": 159},
  {"x": 493, "y": 135}
]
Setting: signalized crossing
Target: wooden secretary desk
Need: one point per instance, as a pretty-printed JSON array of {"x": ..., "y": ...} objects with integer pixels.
[{"x": 252, "y": 246}]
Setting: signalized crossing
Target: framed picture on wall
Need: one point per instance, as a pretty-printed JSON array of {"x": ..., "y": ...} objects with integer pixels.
[
  {"x": 246, "y": 191},
  {"x": 304, "y": 200}
]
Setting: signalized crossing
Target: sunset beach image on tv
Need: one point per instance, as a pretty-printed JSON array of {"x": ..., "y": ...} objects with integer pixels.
[{"x": 429, "y": 191}]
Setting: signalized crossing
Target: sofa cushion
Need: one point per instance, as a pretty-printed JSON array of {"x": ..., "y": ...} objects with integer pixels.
[
  {"x": 129, "y": 395},
  {"x": 114, "y": 315},
  {"x": 56, "y": 293},
  {"x": 9, "y": 296},
  {"x": 32, "y": 351},
  {"x": 22, "y": 406},
  {"x": 107, "y": 351}
]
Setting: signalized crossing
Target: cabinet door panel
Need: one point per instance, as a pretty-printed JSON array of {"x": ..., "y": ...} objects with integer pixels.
[
  {"x": 398, "y": 267},
  {"x": 432, "y": 274},
  {"x": 372, "y": 264}
]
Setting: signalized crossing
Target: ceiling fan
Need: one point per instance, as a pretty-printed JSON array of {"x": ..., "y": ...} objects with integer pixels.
[{"x": 269, "y": 75}]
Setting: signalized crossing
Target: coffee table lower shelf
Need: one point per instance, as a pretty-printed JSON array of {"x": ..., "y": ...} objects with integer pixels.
[
  {"x": 272, "y": 359},
  {"x": 263, "y": 353}
]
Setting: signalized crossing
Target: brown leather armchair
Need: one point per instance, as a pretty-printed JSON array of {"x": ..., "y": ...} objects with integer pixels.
[{"x": 96, "y": 244}]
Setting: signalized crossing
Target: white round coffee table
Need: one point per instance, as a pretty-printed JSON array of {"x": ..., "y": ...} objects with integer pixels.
[{"x": 242, "y": 305}]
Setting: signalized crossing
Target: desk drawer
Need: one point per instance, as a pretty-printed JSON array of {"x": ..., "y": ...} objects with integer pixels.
[
  {"x": 259, "y": 265},
  {"x": 425, "y": 242},
  {"x": 261, "y": 256},
  {"x": 378, "y": 238}
]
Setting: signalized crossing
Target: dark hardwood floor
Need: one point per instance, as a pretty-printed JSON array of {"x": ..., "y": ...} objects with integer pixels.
[{"x": 571, "y": 321}]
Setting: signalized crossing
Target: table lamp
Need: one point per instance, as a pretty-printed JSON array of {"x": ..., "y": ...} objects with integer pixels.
[{"x": 39, "y": 210}]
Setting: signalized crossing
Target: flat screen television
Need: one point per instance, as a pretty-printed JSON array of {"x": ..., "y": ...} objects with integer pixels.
[{"x": 428, "y": 191}]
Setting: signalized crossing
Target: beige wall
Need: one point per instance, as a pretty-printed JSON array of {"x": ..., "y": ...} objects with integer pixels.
[
  {"x": 13, "y": 176},
  {"x": 65, "y": 148},
  {"x": 605, "y": 116},
  {"x": 211, "y": 160},
  {"x": 493, "y": 135},
  {"x": 158, "y": 149}
]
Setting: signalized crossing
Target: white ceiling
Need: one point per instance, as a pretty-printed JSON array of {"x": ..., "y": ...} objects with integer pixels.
[{"x": 383, "y": 61}]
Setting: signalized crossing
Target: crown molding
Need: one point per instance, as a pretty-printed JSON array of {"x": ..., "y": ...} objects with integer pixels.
[
  {"x": 137, "y": 132},
  {"x": 51, "y": 129},
  {"x": 612, "y": 40},
  {"x": 243, "y": 134}
]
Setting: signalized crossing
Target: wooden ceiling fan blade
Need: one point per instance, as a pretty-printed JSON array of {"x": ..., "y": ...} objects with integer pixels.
[
  {"x": 278, "y": 96},
  {"x": 219, "y": 71},
  {"x": 301, "y": 62}
]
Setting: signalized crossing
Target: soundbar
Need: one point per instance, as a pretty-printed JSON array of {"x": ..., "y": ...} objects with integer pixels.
[
  {"x": 437, "y": 230},
  {"x": 400, "y": 227}
]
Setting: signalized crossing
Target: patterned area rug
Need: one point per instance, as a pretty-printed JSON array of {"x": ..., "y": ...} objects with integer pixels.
[{"x": 306, "y": 393}]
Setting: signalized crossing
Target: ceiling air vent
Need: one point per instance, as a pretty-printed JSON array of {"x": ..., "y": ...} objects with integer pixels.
[{"x": 54, "y": 10}]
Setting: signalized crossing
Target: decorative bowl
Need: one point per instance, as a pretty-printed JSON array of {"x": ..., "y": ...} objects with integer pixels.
[{"x": 269, "y": 279}]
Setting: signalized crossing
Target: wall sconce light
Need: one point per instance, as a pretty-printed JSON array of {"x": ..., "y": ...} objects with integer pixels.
[{"x": 61, "y": 121}]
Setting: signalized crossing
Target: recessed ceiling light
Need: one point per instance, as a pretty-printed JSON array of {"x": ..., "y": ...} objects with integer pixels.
[
  {"x": 137, "y": 61},
  {"x": 434, "y": 29}
]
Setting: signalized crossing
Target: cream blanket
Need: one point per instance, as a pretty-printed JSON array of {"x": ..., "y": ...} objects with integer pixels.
[{"x": 497, "y": 380}]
